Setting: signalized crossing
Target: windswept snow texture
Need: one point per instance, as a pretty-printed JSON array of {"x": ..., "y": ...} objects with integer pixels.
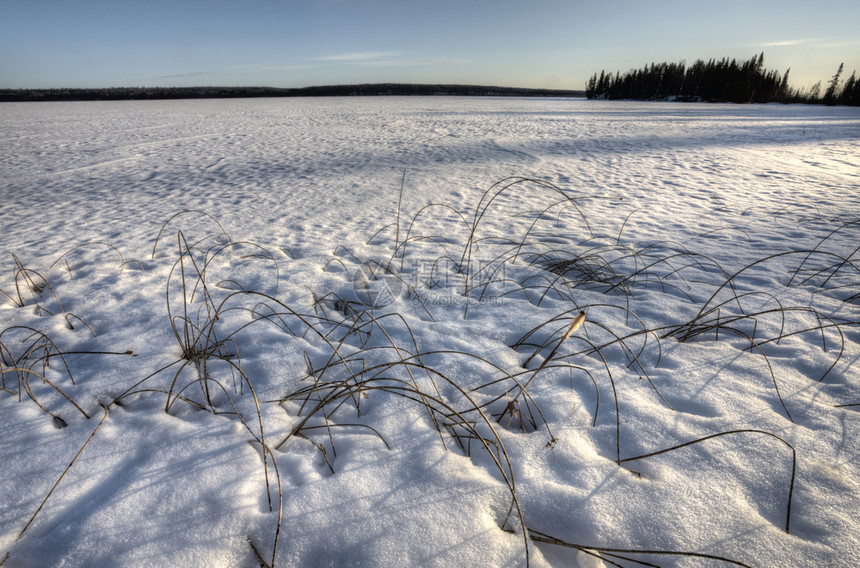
[{"x": 195, "y": 281}]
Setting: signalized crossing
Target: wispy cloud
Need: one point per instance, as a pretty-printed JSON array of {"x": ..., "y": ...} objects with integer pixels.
[
  {"x": 360, "y": 56},
  {"x": 829, "y": 43},
  {"x": 387, "y": 59},
  {"x": 279, "y": 68},
  {"x": 429, "y": 62},
  {"x": 184, "y": 75},
  {"x": 787, "y": 42}
]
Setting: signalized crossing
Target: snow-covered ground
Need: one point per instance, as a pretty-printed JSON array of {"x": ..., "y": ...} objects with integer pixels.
[{"x": 326, "y": 332}]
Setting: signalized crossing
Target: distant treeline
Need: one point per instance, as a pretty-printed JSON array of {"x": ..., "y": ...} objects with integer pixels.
[
  {"x": 719, "y": 81},
  {"x": 153, "y": 93}
]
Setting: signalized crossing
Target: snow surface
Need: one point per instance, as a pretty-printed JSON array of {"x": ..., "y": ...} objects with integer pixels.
[{"x": 648, "y": 217}]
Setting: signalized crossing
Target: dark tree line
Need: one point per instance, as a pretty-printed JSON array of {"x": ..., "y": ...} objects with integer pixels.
[
  {"x": 401, "y": 89},
  {"x": 721, "y": 80}
]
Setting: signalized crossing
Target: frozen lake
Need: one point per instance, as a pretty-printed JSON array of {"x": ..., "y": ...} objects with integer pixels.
[
  {"x": 309, "y": 332},
  {"x": 257, "y": 164}
]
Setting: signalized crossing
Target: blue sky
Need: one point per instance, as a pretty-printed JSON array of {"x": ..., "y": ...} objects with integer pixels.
[{"x": 537, "y": 43}]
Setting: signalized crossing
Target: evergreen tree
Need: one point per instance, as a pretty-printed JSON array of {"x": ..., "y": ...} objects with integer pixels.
[
  {"x": 830, "y": 94},
  {"x": 847, "y": 90},
  {"x": 784, "y": 89},
  {"x": 815, "y": 92},
  {"x": 591, "y": 87}
]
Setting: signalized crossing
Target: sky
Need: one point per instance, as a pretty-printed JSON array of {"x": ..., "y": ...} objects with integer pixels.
[{"x": 535, "y": 43}]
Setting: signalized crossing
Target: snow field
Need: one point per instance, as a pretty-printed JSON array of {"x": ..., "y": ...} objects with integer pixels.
[{"x": 251, "y": 257}]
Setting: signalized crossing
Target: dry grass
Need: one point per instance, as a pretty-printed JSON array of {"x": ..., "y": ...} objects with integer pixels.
[{"x": 372, "y": 352}]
